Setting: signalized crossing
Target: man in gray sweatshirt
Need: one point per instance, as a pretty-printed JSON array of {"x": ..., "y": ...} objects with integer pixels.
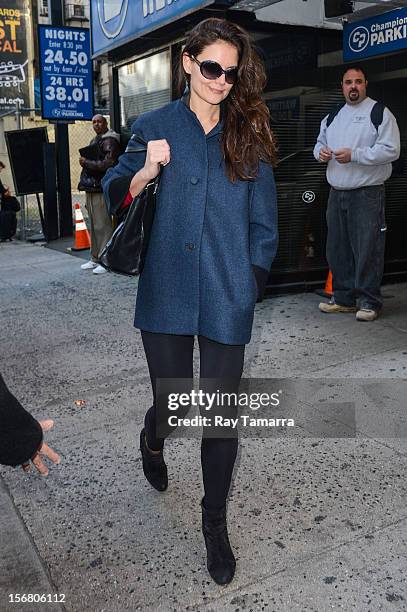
[{"x": 358, "y": 149}]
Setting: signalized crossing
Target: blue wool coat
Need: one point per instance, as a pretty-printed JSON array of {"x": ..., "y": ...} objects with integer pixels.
[{"x": 208, "y": 236}]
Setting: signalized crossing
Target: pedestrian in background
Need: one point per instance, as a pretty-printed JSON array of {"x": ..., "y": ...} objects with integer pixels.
[
  {"x": 9, "y": 206},
  {"x": 358, "y": 141},
  {"x": 2, "y": 187},
  {"x": 104, "y": 150},
  {"x": 212, "y": 243}
]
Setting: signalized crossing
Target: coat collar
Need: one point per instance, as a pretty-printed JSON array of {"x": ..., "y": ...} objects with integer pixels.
[{"x": 184, "y": 100}]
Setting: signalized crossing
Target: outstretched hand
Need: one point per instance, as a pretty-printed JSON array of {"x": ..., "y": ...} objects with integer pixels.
[{"x": 43, "y": 451}]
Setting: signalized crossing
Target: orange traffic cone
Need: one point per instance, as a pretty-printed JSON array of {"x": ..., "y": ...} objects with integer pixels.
[
  {"x": 328, "y": 285},
  {"x": 82, "y": 238},
  {"x": 327, "y": 291}
]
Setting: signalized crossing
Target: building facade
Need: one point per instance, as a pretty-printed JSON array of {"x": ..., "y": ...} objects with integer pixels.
[{"x": 303, "y": 51}]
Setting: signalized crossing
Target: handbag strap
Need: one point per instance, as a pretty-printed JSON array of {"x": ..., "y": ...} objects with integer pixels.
[{"x": 156, "y": 181}]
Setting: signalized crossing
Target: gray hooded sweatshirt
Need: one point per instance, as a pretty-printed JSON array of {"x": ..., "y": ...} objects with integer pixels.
[{"x": 372, "y": 150}]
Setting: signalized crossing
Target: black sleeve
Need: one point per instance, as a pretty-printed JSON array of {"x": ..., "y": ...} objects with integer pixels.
[
  {"x": 11, "y": 204},
  {"x": 20, "y": 434},
  {"x": 261, "y": 279},
  {"x": 110, "y": 149}
]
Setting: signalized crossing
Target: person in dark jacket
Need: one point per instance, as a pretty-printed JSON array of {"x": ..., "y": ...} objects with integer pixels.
[
  {"x": 3, "y": 189},
  {"x": 211, "y": 247},
  {"x": 9, "y": 206},
  {"x": 106, "y": 147},
  {"x": 21, "y": 436}
]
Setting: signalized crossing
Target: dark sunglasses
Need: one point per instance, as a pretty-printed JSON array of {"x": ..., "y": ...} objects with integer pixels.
[{"x": 212, "y": 70}]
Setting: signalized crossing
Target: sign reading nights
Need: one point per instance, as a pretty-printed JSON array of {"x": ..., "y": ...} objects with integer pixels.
[{"x": 66, "y": 73}]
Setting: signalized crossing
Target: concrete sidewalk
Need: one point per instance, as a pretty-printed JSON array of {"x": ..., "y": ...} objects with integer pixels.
[{"x": 317, "y": 524}]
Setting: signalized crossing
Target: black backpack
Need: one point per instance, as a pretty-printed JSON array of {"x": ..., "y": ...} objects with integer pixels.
[
  {"x": 376, "y": 114},
  {"x": 8, "y": 219}
]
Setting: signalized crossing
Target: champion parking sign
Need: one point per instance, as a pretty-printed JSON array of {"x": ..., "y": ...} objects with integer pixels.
[
  {"x": 384, "y": 33},
  {"x": 66, "y": 73}
]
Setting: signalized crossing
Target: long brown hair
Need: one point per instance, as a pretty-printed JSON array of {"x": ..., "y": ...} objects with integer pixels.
[{"x": 247, "y": 137}]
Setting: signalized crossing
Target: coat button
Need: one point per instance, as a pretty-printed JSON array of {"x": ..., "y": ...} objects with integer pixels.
[
  {"x": 190, "y": 246},
  {"x": 194, "y": 180}
]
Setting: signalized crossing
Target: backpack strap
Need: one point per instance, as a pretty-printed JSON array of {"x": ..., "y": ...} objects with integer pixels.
[
  {"x": 376, "y": 114},
  {"x": 333, "y": 114}
]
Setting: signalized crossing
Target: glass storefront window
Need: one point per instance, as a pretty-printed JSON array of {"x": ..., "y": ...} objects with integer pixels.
[
  {"x": 144, "y": 85},
  {"x": 299, "y": 95}
]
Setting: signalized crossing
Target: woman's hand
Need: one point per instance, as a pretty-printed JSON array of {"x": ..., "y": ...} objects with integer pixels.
[
  {"x": 158, "y": 154},
  {"x": 45, "y": 451}
]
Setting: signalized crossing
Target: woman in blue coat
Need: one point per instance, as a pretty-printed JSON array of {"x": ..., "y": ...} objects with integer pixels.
[{"x": 212, "y": 243}]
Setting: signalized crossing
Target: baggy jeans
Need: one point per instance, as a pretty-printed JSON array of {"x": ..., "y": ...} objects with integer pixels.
[{"x": 355, "y": 245}]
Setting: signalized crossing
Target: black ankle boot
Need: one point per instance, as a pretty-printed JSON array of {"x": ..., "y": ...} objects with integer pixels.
[
  {"x": 221, "y": 561},
  {"x": 154, "y": 467}
]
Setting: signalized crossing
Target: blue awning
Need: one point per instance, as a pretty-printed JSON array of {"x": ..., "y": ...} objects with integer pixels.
[{"x": 117, "y": 22}]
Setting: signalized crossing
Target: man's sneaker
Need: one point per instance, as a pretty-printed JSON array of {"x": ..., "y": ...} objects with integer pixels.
[
  {"x": 89, "y": 265},
  {"x": 332, "y": 307},
  {"x": 99, "y": 270},
  {"x": 367, "y": 314}
]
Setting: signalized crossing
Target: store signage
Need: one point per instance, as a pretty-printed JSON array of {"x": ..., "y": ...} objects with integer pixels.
[
  {"x": 116, "y": 22},
  {"x": 66, "y": 73},
  {"x": 13, "y": 54},
  {"x": 283, "y": 109},
  {"x": 385, "y": 33}
]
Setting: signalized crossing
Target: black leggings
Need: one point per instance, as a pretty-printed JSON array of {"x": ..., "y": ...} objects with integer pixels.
[{"x": 171, "y": 356}]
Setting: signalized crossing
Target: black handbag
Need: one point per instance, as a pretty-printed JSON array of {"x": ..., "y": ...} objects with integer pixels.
[{"x": 126, "y": 250}]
